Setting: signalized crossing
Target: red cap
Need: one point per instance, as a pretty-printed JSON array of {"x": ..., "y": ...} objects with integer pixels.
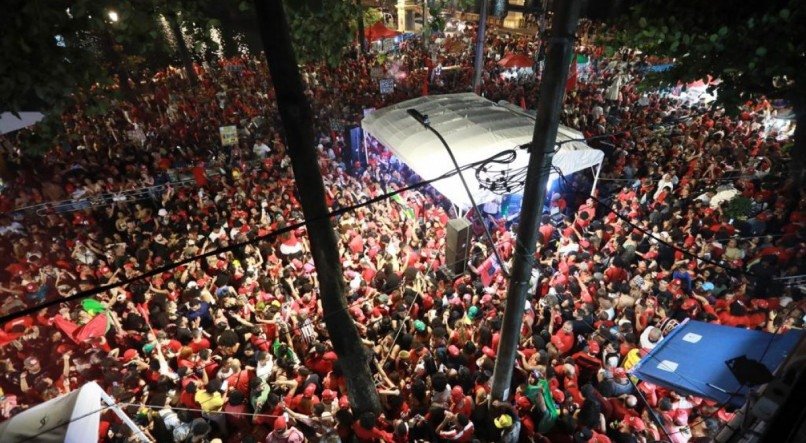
[
  {"x": 328, "y": 394},
  {"x": 619, "y": 373},
  {"x": 280, "y": 423},
  {"x": 376, "y": 312},
  {"x": 453, "y": 351},
  {"x": 488, "y": 351},
  {"x": 558, "y": 395},
  {"x": 309, "y": 390},
  {"x": 594, "y": 347},
  {"x": 129, "y": 355},
  {"x": 634, "y": 423},
  {"x": 689, "y": 304},
  {"x": 344, "y": 402},
  {"x": 524, "y": 402},
  {"x": 457, "y": 392},
  {"x": 330, "y": 356}
]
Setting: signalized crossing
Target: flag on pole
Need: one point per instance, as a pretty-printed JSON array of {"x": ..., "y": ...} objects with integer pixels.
[
  {"x": 571, "y": 83},
  {"x": 94, "y": 328},
  {"x": 488, "y": 270}
]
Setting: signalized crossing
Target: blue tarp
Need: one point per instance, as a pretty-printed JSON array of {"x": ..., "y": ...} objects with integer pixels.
[{"x": 692, "y": 359}]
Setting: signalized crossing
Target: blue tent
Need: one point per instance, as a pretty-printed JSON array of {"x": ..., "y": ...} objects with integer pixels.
[{"x": 692, "y": 359}]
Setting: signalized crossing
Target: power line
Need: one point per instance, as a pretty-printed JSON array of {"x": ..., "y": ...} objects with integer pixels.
[
  {"x": 158, "y": 271},
  {"x": 649, "y": 233}
]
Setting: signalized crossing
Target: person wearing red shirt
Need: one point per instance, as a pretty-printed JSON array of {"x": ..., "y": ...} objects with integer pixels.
[
  {"x": 235, "y": 411},
  {"x": 626, "y": 195},
  {"x": 588, "y": 361},
  {"x": 366, "y": 431},
  {"x": 615, "y": 273},
  {"x": 460, "y": 403},
  {"x": 462, "y": 429},
  {"x": 546, "y": 230},
  {"x": 563, "y": 339},
  {"x": 198, "y": 342},
  {"x": 304, "y": 403}
]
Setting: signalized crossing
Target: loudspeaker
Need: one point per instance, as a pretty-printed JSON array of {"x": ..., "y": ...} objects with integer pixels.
[{"x": 457, "y": 244}]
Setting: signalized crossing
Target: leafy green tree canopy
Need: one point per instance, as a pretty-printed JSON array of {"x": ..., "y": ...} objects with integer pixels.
[
  {"x": 322, "y": 29},
  {"x": 753, "y": 47}
]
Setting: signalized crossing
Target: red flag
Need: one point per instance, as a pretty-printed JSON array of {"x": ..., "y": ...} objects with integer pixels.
[
  {"x": 8, "y": 337},
  {"x": 66, "y": 326},
  {"x": 571, "y": 83},
  {"x": 488, "y": 270},
  {"x": 94, "y": 328}
]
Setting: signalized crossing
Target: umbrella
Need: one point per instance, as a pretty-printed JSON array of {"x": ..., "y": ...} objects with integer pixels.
[{"x": 516, "y": 61}]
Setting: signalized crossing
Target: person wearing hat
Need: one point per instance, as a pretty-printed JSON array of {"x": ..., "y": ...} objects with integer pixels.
[
  {"x": 507, "y": 423},
  {"x": 459, "y": 402},
  {"x": 588, "y": 361},
  {"x": 283, "y": 433},
  {"x": 304, "y": 402},
  {"x": 618, "y": 385},
  {"x": 366, "y": 429}
]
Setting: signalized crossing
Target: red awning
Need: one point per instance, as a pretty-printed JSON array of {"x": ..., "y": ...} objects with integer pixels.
[
  {"x": 379, "y": 31},
  {"x": 516, "y": 61}
]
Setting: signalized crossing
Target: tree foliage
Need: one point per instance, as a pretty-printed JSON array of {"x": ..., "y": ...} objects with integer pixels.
[
  {"x": 322, "y": 29},
  {"x": 752, "y": 47},
  {"x": 55, "y": 52}
]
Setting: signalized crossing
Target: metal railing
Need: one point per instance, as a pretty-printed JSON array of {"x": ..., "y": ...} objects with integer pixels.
[{"x": 99, "y": 200}]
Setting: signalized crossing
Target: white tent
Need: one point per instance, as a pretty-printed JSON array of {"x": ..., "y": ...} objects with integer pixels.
[
  {"x": 475, "y": 128},
  {"x": 72, "y": 417},
  {"x": 10, "y": 123}
]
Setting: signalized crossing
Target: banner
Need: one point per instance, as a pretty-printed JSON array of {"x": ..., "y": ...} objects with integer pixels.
[
  {"x": 387, "y": 85},
  {"x": 488, "y": 269},
  {"x": 229, "y": 135},
  {"x": 137, "y": 135}
]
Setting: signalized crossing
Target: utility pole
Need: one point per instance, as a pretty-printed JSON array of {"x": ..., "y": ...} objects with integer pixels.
[
  {"x": 297, "y": 118},
  {"x": 426, "y": 28},
  {"x": 552, "y": 89},
  {"x": 478, "y": 63},
  {"x": 362, "y": 40}
]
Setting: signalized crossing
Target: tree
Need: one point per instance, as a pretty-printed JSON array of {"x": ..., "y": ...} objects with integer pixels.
[
  {"x": 297, "y": 118},
  {"x": 321, "y": 30},
  {"x": 54, "y": 52},
  {"x": 754, "y": 48}
]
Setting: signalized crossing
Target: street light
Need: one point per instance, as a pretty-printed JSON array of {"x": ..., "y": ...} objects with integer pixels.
[{"x": 113, "y": 16}]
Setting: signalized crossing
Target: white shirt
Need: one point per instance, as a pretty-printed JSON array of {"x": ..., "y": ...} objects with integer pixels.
[
  {"x": 263, "y": 370},
  {"x": 261, "y": 150}
]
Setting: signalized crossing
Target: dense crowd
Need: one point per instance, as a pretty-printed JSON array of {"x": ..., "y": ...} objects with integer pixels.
[{"x": 233, "y": 347}]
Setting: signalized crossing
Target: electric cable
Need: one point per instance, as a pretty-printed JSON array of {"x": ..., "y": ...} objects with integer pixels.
[
  {"x": 649, "y": 233},
  {"x": 170, "y": 266}
]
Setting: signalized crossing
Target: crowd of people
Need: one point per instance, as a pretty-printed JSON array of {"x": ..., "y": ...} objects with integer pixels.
[{"x": 233, "y": 347}]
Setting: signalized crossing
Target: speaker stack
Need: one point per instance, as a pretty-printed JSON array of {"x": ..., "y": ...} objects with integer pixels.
[{"x": 457, "y": 244}]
